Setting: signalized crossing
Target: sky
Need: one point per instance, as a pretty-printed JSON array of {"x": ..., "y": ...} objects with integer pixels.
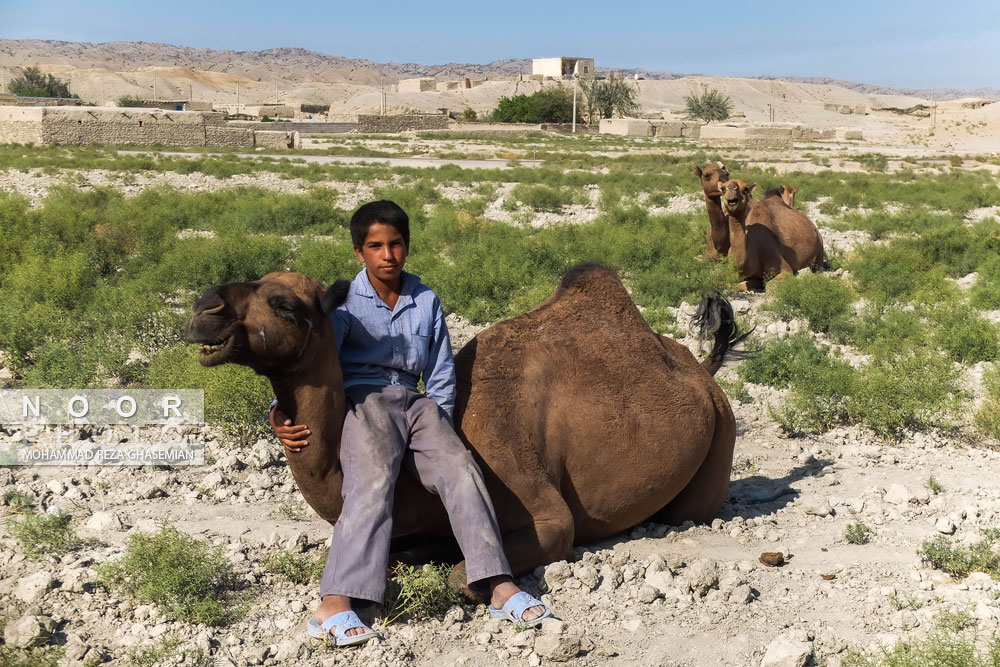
[{"x": 917, "y": 44}]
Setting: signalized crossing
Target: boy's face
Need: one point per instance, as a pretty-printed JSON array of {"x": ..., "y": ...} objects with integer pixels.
[{"x": 383, "y": 253}]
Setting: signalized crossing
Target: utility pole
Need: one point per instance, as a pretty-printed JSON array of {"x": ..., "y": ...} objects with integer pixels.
[
  {"x": 381, "y": 95},
  {"x": 190, "y": 95},
  {"x": 576, "y": 77}
]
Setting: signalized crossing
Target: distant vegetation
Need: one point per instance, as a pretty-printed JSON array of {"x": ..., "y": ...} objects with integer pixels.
[
  {"x": 32, "y": 83},
  {"x": 708, "y": 106},
  {"x": 130, "y": 101},
  {"x": 548, "y": 105},
  {"x": 607, "y": 98}
]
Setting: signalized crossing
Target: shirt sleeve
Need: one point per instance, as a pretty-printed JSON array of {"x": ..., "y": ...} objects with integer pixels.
[
  {"x": 439, "y": 374},
  {"x": 341, "y": 319}
]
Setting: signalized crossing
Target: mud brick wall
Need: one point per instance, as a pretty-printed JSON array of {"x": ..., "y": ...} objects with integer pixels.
[{"x": 367, "y": 124}]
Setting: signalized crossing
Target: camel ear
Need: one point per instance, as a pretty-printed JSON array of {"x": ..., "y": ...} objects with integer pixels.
[
  {"x": 723, "y": 167},
  {"x": 752, "y": 186},
  {"x": 696, "y": 171},
  {"x": 795, "y": 190},
  {"x": 335, "y": 295}
]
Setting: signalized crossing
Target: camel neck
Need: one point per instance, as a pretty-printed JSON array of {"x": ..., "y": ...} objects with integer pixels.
[
  {"x": 313, "y": 394},
  {"x": 718, "y": 224},
  {"x": 738, "y": 235}
]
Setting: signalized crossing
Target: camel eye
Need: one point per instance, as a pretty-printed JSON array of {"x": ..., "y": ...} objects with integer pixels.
[{"x": 284, "y": 308}]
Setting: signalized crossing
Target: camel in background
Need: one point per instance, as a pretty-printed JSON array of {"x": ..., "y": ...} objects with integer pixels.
[
  {"x": 584, "y": 421},
  {"x": 802, "y": 245},
  {"x": 756, "y": 248},
  {"x": 717, "y": 241},
  {"x": 786, "y": 192}
]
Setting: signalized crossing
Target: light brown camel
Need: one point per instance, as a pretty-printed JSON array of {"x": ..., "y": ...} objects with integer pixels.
[
  {"x": 755, "y": 248},
  {"x": 788, "y": 193},
  {"x": 717, "y": 238},
  {"x": 801, "y": 243},
  {"x": 584, "y": 421}
]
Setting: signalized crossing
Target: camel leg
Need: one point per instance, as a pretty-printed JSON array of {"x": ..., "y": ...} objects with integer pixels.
[{"x": 703, "y": 496}]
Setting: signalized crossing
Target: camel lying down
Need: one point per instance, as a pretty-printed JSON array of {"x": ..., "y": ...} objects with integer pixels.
[{"x": 584, "y": 421}]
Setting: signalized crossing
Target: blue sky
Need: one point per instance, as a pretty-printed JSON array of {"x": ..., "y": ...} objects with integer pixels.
[{"x": 918, "y": 44}]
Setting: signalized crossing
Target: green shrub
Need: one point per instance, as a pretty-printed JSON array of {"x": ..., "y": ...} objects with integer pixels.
[
  {"x": 470, "y": 115},
  {"x": 933, "y": 485},
  {"x": 873, "y": 162},
  {"x": 296, "y": 568},
  {"x": 236, "y": 398},
  {"x": 911, "y": 390},
  {"x": 823, "y": 300},
  {"x": 858, "y": 533},
  {"x": 42, "y": 534},
  {"x": 960, "y": 561},
  {"x": 183, "y": 576},
  {"x": 948, "y": 644},
  {"x": 540, "y": 197},
  {"x": 966, "y": 336},
  {"x": 988, "y": 417},
  {"x": 130, "y": 101},
  {"x": 710, "y": 105},
  {"x": 553, "y": 104},
  {"x": 32, "y": 83},
  {"x": 418, "y": 592},
  {"x": 606, "y": 98},
  {"x": 784, "y": 362}
]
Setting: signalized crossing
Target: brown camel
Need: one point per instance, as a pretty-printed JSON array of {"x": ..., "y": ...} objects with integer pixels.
[
  {"x": 756, "y": 248},
  {"x": 583, "y": 420},
  {"x": 717, "y": 241},
  {"x": 801, "y": 243}
]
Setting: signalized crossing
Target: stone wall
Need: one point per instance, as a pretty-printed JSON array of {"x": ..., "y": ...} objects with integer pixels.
[
  {"x": 371, "y": 123},
  {"x": 423, "y": 85},
  {"x": 627, "y": 127},
  {"x": 747, "y": 137},
  {"x": 277, "y": 139},
  {"x": 20, "y": 125}
]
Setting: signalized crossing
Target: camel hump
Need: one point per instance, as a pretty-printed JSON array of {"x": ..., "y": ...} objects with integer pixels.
[{"x": 587, "y": 277}]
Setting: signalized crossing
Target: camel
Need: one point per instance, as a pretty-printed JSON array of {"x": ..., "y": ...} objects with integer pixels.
[
  {"x": 756, "y": 248},
  {"x": 801, "y": 243},
  {"x": 584, "y": 421},
  {"x": 717, "y": 238}
]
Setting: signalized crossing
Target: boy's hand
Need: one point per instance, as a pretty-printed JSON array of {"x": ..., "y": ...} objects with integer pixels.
[{"x": 292, "y": 437}]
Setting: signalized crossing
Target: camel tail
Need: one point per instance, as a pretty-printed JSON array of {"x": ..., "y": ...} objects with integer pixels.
[{"x": 715, "y": 319}]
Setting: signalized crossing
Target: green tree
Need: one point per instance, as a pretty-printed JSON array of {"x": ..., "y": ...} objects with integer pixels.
[
  {"x": 548, "y": 105},
  {"x": 130, "y": 101},
  {"x": 607, "y": 98},
  {"x": 710, "y": 105},
  {"x": 32, "y": 83}
]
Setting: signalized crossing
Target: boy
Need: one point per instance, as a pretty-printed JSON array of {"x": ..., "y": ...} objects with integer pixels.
[{"x": 391, "y": 330}]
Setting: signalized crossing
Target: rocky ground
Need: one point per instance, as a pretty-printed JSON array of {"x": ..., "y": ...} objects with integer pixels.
[{"x": 658, "y": 595}]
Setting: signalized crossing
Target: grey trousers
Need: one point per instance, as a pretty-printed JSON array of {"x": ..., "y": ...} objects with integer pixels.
[{"x": 387, "y": 427}]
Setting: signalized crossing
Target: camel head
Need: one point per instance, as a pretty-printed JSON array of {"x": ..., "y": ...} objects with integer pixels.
[
  {"x": 736, "y": 196},
  {"x": 788, "y": 195},
  {"x": 265, "y": 324},
  {"x": 711, "y": 176}
]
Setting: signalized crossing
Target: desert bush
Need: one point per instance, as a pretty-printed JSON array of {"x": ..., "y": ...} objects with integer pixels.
[
  {"x": 965, "y": 335},
  {"x": 196, "y": 264},
  {"x": 959, "y": 561},
  {"x": 539, "y": 197},
  {"x": 167, "y": 650},
  {"x": 873, "y": 162},
  {"x": 42, "y": 534},
  {"x": 183, "y": 576},
  {"x": 553, "y": 104},
  {"x": 606, "y": 98},
  {"x": 326, "y": 261},
  {"x": 710, "y": 105},
  {"x": 418, "y": 592},
  {"x": 784, "y": 362},
  {"x": 987, "y": 418},
  {"x": 823, "y": 300},
  {"x": 952, "y": 642},
  {"x": 236, "y": 398},
  {"x": 130, "y": 101},
  {"x": 296, "y": 568},
  {"x": 470, "y": 115},
  {"x": 857, "y": 533},
  {"x": 32, "y": 83}
]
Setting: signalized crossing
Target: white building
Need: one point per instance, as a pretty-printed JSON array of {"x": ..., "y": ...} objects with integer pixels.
[{"x": 559, "y": 68}]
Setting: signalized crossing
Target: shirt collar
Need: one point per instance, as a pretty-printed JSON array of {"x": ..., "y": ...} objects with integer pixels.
[{"x": 363, "y": 287}]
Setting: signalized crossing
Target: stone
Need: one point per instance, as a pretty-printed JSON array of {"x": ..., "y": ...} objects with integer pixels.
[
  {"x": 260, "y": 480},
  {"x": 944, "y": 525},
  {"x": 28, "y": 631},
  {"x": 660, "y": 581},
  {"x": 647, "y": 594},
  {"x": 632, "y": 624},
  {"x": 454, "y": 615},
  {"x": 151, "y": 491},
  {"x": 104, "y": 522},
  {"x": 784, "y": 652},
  {"x": 611, "y": 579},
  {"x": 552, "y": 626},
  {"x": 557, "y": 647},
  {"x": 820, "y": 508},
  {"x": 264, "y": 454},
  {"x": 702, "y": 575},
  {"x": 586, "y": 574},
  {"x": 742, "y": 594},
  {"x": 298, "y": 543},
  {"x": 289, "y": 649},
  {"x": 772, "y": 558},
  {"x": 213, "y": 480},
  {"x": 30, "y": 589},
  {"x": 523, "y": 639},
  {"x": 557, "y": 573},
  {"x": 78, "y": 580},
  {"x": 56, "y": 487}
]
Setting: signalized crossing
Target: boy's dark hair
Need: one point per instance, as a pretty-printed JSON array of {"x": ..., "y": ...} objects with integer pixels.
[{"x": 384, "y": 211}]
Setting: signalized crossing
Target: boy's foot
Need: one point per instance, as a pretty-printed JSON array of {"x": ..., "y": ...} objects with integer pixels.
[
  {"x": 508, "y": 589},
  {"x": 335, "y": 604}
]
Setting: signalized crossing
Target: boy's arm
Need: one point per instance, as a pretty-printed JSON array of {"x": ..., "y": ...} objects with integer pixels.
[{"x": 439, "y": 374}]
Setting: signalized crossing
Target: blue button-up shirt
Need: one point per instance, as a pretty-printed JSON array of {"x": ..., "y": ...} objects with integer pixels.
[{"x": 383, "y": 346}]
